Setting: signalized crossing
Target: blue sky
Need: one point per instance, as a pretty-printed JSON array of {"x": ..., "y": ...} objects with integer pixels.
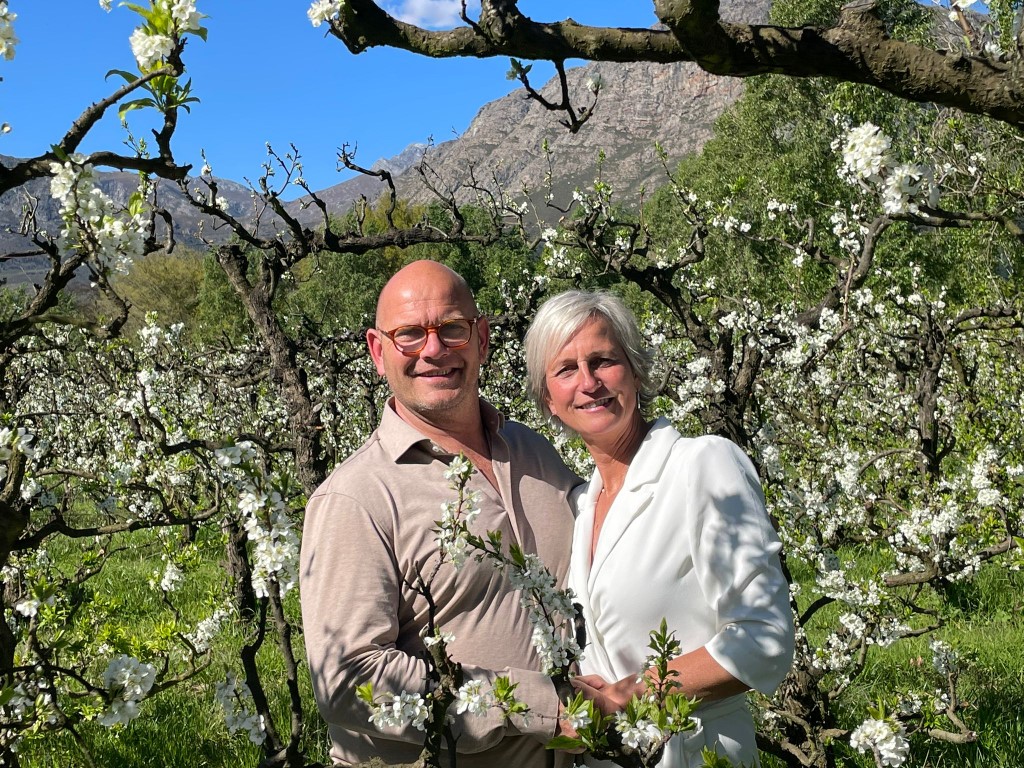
[{"x": 265, "y": 75}]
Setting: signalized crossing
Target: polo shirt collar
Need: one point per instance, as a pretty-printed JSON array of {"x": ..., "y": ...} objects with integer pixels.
[{"x": 397, "y": 437}]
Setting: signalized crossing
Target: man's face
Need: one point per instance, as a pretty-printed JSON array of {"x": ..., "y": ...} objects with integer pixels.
[{"x": 435, "y": 382}]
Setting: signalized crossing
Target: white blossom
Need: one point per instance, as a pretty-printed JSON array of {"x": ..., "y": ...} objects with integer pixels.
[
  {"x": 324, "y": 10},
  {"x": 202, "y": 636},
  {"x": 276, "y": 550},
  {"x": 172, "y": 577},
  {"x": 888, "y": 738},
  {"x": 150, "y": 49},
  {"x": 128, "y": 681},
  {"x": 864, "y": 151},
  {"x": 393, "y": 711},
  {"x": 957, "y": 7},
  {"x": 8, "y": 40},
  {"x": 639, "y": 735},
  {"x": 91, "y": 221},
  {"x": 944, "y": 658},
  {"x": 186, "y": 17},
  {"x": 579, "y": 719},
  {"x": 239, "y": 715},
  {"x": 29, "y": 607},
  {"x": 473, "y": 698}
]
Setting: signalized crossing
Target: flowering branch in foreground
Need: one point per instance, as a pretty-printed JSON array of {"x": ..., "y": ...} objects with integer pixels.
[{"x": 634, "y": 737}]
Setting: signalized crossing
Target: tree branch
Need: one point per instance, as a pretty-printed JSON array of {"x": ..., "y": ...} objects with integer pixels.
[{"x": 858, "y": 49}]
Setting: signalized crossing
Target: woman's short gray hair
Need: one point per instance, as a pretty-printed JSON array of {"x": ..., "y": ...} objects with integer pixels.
[{"x": 558, "y": 320}]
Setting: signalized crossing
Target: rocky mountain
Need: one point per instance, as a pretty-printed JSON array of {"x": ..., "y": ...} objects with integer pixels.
[{"x": 640, "y": 104}]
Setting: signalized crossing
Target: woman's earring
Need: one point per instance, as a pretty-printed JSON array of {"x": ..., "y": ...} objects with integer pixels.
[{"x": 555, "y": 424}]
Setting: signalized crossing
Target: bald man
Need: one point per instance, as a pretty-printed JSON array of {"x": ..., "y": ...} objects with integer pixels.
[{"x": 369, "y": 534}]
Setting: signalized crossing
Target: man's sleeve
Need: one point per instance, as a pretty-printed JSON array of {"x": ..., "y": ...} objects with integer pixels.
[{"x": 350, "y": 587}]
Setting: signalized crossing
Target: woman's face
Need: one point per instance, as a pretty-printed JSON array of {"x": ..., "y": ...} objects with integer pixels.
[{"x": 590, "y": 385}]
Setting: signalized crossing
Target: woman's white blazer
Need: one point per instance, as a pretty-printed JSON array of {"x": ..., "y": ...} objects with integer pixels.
[{"x": 688, "y": 539}]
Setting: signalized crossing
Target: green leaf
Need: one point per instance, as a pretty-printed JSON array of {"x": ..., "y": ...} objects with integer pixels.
[
  {"x": 713, "y": 760},
  {"x": 128, "y": 106},
  {"x": 503, "y": 688},
  {"x": 516, "y": 70},
  {"x": 364, "y": 692},
  {"x": 129, "y": 77},
  {"x": 564, "y": 742},
  {"x": 135, "y": 203}
]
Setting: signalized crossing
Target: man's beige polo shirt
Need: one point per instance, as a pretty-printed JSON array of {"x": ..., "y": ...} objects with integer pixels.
[{"x": 369, "y": 533}]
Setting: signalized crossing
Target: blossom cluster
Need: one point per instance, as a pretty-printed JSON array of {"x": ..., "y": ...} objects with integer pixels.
[
  {"x": 19, "y": 440},
  {"x": 944, "y": 658},
  {"x": 324, "y": 10},
  {"x": 981, "y": 478},
  {"x": 474, "y": 698},
  {"x": 234, "y": 455},
  {"x": 171, "y": 578},
  {"x": 127, "y": 680},
  {"x": 637, "y": 734},
  {"x": 29, "y": 702},
  {"x": 550, "y": 610},
  {"x": 903, "y": 186},
  {"x": 457, "y": 515},
  {"x": 236, "y": 701},
  {"x": 399, "y": 710},
  {"x": 152, "y": 43},
  {"x": 8, "y": 40},
  {"x": 885, "y": 736},
  {"x": 201, "y": 638},
  {"x": 92, "y": 222},
  {"x": 271, "y": 530}
]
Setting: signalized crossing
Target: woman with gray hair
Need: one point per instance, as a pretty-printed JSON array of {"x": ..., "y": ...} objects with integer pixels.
[{"x": 668, "y": 527}]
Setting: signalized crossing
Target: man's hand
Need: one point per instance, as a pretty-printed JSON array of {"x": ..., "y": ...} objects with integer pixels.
[{"x": 565, "y": 729}]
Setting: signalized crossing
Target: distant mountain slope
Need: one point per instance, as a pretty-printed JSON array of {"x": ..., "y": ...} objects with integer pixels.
[
  {"x": 640, "y": 104},
  {"x": 674, "y": 105}
]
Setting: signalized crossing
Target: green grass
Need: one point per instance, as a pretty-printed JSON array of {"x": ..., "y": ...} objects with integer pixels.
[{"x": 183, "y": 727}]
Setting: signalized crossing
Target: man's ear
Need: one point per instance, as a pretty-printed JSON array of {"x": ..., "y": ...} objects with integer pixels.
[
  {"x": 483, "y": 330},
  {"x": 375, "y": 341}
]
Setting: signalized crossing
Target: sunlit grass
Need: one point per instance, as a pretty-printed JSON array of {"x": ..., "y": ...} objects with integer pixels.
[{"x": 184, "y": 727}]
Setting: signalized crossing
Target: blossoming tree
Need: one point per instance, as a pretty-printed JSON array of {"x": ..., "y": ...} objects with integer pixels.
[{"x": 878, "y": 395}]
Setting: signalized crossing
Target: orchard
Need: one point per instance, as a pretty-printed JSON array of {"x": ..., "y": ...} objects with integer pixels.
[{"x": 834, "y": 283}]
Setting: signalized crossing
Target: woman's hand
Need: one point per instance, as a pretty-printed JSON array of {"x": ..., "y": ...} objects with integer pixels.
[{"x": 608, "y": 697}]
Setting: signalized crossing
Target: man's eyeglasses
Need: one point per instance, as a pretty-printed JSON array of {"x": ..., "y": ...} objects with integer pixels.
[{"x": 454, "y": 334}]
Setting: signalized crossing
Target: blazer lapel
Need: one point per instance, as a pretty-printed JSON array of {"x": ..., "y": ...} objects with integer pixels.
[{"x": 635, "y": 496}]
